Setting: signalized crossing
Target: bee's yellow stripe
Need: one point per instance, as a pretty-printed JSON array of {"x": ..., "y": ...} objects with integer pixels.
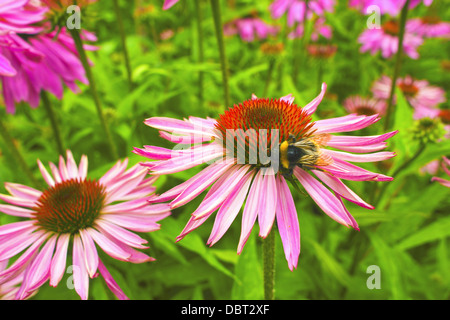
[{"x": 283, "y": 154}]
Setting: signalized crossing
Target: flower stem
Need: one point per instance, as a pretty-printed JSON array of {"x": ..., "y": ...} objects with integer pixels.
[
  {"x": 93, "y": 87},
  {"x": 398, "y": 60},
  {"x": 123, "y": 41},
  {"x": 201, "y": 58},
  {"x": 271, "y": 67},
  {"x": 269, "y": 266},
  {"x": 223, "y": 59},
  {"x": 299, "y": 45},
  {"x": 11, "y": 145},
  {"x": 54, "y": 122}
]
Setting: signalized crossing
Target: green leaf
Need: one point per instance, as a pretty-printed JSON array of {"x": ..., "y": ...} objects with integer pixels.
[{"x": 435, "y": 231}]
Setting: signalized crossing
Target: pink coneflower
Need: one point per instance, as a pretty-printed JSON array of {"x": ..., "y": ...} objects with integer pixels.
[
  {"x": 18, "y": 16},
  {"x": 250, "y": 29},
  {"x": 169, "y": 4},
  {"x": 250, "y": 154},
  {"x": 391, "y": 7},
  {"x": 429, "y": 27},
  {"x": 446, "y": 168},
  {"x": 76, "y": 214},
  {"x": 364, "y": 105},
  {"x": 295, "y": 9},
  {"x": 385, "y": 39},
  {"x": 319, "y": 29},
  {"x": 422, "y": 96},
  {"x": 44, "y": 62}
]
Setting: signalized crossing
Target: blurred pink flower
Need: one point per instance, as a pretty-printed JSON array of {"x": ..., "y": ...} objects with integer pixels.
[
  {"x": 295, "y": 9},
  {"x": 18, "y": 16},
  {"x": 44, "y": 62},
  {"x": 391, "y": 7},
  {"x": 422, "y": 96},
  {"x": 319, "y": 29},
  {"x": 364, "y": 105},
  {"x": 235, "y": 179},
  {"x": 385, "y": 39},
  {"x": 85, "y": 212},
  {"x": 250, "y": 29},
  {"x": 169, "y": 4},
  {"x": 446, "y": 168},
  {"x": 429, "y": 27}
]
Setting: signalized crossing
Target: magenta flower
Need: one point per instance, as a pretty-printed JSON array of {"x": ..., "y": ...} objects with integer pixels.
[
  {"x": 295, "y": 9},
  {"x": 77, "y": 214},
  {"x": 237, "y": 172},
  {"x": 364, "y": 105},
  {"x": 18, "y": 16},
  {"x": 391, "y": 7},
  {"x": 169, "y": 4},
  {"x": 250, "y": 28},
  {"x": 319, "y": 29},
  {"x": 446, "y": 168},
  {"x": 43, "y": 62},
  {"x": 422, "y": 96},
  {"x": 429, "y": 27},
  {"x": 385, "y": 39}
]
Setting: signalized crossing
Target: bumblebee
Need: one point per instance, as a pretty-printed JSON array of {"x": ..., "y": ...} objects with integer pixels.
[{"x": 304, "y": 153}]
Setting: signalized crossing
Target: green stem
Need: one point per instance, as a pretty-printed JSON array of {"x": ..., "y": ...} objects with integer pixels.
[
  {"x": 93, "y": 88},
  {"x": 201, "y": 58},
  {"x": 11, "y": 145},
  {"x": 269, "y": 266},
  {"x": 398, "y": 60},
  {"x": 270, "y": 69},
  {"x": 123, "y": 40},
  {"x": 54, "y": 122},
  {"x": 223, "y": 59},
  {"x": 299, "y": 48}
]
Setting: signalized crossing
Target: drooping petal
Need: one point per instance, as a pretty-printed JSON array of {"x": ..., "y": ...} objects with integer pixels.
[
  {"x": 230, "y": 208},
  {"x": 251, "y": 210},
  {"x": 91, "y": 255},
  {"x": 80, "y": 274},
  {"x": 268, "y": 203},
  {"x": 59, "y": 260},
  {"x": 110, "y": 282},
  {"x": 323, "y": 197},
  {"x": 287, "y": 222}
]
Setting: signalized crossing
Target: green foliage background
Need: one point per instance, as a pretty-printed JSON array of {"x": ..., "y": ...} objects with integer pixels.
[{"x": 407, "y": 235}]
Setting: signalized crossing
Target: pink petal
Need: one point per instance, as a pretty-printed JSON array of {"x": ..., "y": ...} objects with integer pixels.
[
  {"x": 230, "y": 208},
  {"x": 40, "y": 268},
  {"x": 91, "y": 255},
  {"x": 311, "y": 107},
  {"x": 339, "y": 187},
  {"x": 350, "y": 122},
  {"x": 212, "y": 203},
  {"x": 379, "y": 156},
  {"x": 80, "y": 274},
  {"x": 268, "y": 203},
  {"x": 59, "y": 260},
  {"x": 16, "y": 211},
  {"x": 287, "y": 222},
  {"x": 251, "y": 210},
  {"x": 200, "y": 182},
  {"x": 323, "y": 197},
  {"x": 110, "y": 282},
  {"x": 108, "y": 246}
]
